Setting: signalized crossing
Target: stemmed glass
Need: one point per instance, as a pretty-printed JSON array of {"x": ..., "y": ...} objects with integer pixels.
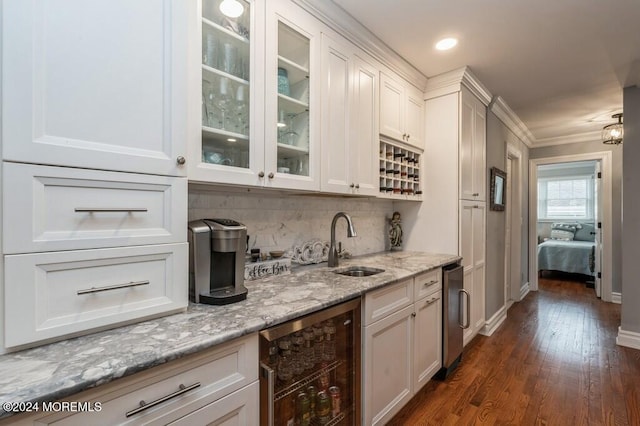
[
  {"x": 241, "y": 109},
  {"x": 222, "y": 102}
]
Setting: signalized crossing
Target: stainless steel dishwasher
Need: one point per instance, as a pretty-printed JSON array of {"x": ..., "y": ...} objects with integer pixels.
[{"x": 452, "y": 318}]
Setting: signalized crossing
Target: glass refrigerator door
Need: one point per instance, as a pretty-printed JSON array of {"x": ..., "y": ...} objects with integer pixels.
[{"x": 310, "y": 369}]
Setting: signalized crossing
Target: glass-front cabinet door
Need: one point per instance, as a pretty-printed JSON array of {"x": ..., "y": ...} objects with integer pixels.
[
  {"x": 231, "y": 139},
  {"x": 291, "y": 143}
]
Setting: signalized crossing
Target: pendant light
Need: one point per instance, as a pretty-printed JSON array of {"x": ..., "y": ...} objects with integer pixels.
[{"x": 612, "y": 133}]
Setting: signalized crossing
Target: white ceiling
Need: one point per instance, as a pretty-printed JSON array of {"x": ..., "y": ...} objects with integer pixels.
[{"x": 560, "y": 65}]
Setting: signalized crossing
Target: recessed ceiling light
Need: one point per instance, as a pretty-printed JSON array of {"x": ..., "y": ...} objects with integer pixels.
[{"x": 446, "y": 43}]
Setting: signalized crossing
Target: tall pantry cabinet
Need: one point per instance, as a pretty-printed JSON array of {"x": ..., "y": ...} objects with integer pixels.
[{"x": 455, "y": 157}]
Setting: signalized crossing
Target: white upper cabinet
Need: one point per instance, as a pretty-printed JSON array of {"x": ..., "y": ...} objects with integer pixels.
[
  {"x": 473, "y": 142},
  {"x": 401, "y": 111},
  {"x": 99, "y": 84},
  {"x": 292, "y": 148},
  {"x": 349, "y": 119},
  {"x": 257, "y": 89}
]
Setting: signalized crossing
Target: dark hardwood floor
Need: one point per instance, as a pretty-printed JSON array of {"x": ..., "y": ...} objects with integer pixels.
[{"x": 553, "y": 362}]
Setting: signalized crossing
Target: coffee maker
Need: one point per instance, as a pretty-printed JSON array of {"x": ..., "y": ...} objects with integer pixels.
[{"x": 216, "y": 261}]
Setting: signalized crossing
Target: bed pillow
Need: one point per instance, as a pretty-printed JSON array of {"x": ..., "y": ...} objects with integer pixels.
[
  {"x": 564, "y": 231},
  {"x": 584, "y": 233}
]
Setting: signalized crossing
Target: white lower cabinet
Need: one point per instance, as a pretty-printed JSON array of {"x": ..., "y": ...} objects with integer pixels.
[
  {"x": 217, "y": 386},
  {"x": 387, "y": 366},
  {"x": 427, "y": 335},
  {"x": 402, "y": 344}
]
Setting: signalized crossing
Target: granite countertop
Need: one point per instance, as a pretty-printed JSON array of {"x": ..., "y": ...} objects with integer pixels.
[{"x": 58, "y": 370}]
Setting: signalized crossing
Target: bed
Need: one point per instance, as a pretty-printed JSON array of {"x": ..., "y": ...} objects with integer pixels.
[
  {"x": 575, "y": 257},
  {"x": 571, "y": 249}
]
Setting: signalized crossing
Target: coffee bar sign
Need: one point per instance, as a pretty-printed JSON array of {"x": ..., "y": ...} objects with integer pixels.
[{"x": 256, "y": 270}]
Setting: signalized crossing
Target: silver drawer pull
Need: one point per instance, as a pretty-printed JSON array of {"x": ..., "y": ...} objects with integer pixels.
[
  {"x": 143, "y": 405},
  {"x": 432, "y": 301},
  {"x": 112, "y": 287},
  {"x": 110, "y": 210},
  {"x": 430, "y": 283}
]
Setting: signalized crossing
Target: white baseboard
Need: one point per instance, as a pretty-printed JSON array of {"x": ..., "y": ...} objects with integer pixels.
[
  {"x": 630, "y": 339},
  {"x": 616, "y": 298},
  {"x": 524, "y": 290},
  {"x": 494, "y": 322}
]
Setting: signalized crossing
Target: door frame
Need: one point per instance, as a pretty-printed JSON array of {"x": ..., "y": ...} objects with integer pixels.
[
  {"x": 607, "y": 193},
  {"x": 514, "y": 206}
]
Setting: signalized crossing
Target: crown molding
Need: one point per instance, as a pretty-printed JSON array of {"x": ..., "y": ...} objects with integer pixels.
[
  {"x": 591, "y": 136},
  {"x": 347, "y": 26},
  {"x": 510, "y": 119},
  {"x": 452, "y": 81}
]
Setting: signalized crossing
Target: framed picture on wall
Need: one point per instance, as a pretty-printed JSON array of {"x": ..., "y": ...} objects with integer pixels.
[{"x": 498, "y": 196}]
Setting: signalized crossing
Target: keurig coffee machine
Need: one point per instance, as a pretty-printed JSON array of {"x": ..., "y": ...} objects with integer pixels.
[{"x": 216, "y": 261}]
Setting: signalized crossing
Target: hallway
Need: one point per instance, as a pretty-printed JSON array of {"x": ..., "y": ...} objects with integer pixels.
[{"x": 553, "y": 362}]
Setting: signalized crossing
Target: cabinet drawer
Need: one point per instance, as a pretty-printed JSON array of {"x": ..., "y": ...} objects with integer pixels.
[
  {"x": 427, "y": 283},
  {"x": 382, "y": 302},
  {"x": 56, "y": 208},
  {"x": 49, "y": 295},
  {"x": 219, "y": 381}
]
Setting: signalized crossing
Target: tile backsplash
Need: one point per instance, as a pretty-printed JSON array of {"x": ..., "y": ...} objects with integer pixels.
[{"x": 280, "y": 221}]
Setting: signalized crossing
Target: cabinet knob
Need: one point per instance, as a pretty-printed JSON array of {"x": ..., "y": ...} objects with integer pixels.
[
  {"x": 357, "y": 186},
  {"x": 261, "y": 174},
  {"x": 408, "y": 136},
  {"x": 404, "y": 136},
  {"x": 413, "y": 314},
  {"x": 475, "y": 194},
  {"x": 271, "y": 175},
  {"x": 181, "y": 160},
  {"x": 352, "y": 185}
]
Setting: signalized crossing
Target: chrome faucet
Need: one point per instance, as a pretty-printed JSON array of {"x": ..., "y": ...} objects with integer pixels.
[{"x": 351, "y": 232}]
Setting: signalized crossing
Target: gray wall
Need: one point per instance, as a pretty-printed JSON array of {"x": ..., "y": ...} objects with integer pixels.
[
  {"x": 498, "y": 135},
  {"x": 630, "y": 320},
  {"x": 616, "y": 197}
]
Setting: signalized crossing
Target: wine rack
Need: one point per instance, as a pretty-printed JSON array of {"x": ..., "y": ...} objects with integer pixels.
[{"x": 399, "y": 172}]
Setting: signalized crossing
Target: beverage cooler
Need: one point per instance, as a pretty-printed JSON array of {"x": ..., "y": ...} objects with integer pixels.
[{"x": 310, "y": 369}]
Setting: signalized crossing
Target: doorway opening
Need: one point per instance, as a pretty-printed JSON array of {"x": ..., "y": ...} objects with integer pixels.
[
  {"x": 570, "y": 219},
  {"x": 513, "y": 228}
]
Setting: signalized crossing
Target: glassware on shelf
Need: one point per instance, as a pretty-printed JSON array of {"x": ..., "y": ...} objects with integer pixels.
[
  {"x": 283, "y": 82},
  {"x": 287, "y": 134},
  {"x": 241, "y": 109},
  {"x": 210, "y": 49},
  {"x": 229, "y": 58}
]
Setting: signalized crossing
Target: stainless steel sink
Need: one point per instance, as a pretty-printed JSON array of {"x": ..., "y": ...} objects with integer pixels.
[{"x": 358, "y": 271}]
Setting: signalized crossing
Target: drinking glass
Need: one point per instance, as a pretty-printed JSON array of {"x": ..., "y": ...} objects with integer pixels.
[
  {"x": 229, "y": 58},
  {"x": 210, "y": 53}
]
